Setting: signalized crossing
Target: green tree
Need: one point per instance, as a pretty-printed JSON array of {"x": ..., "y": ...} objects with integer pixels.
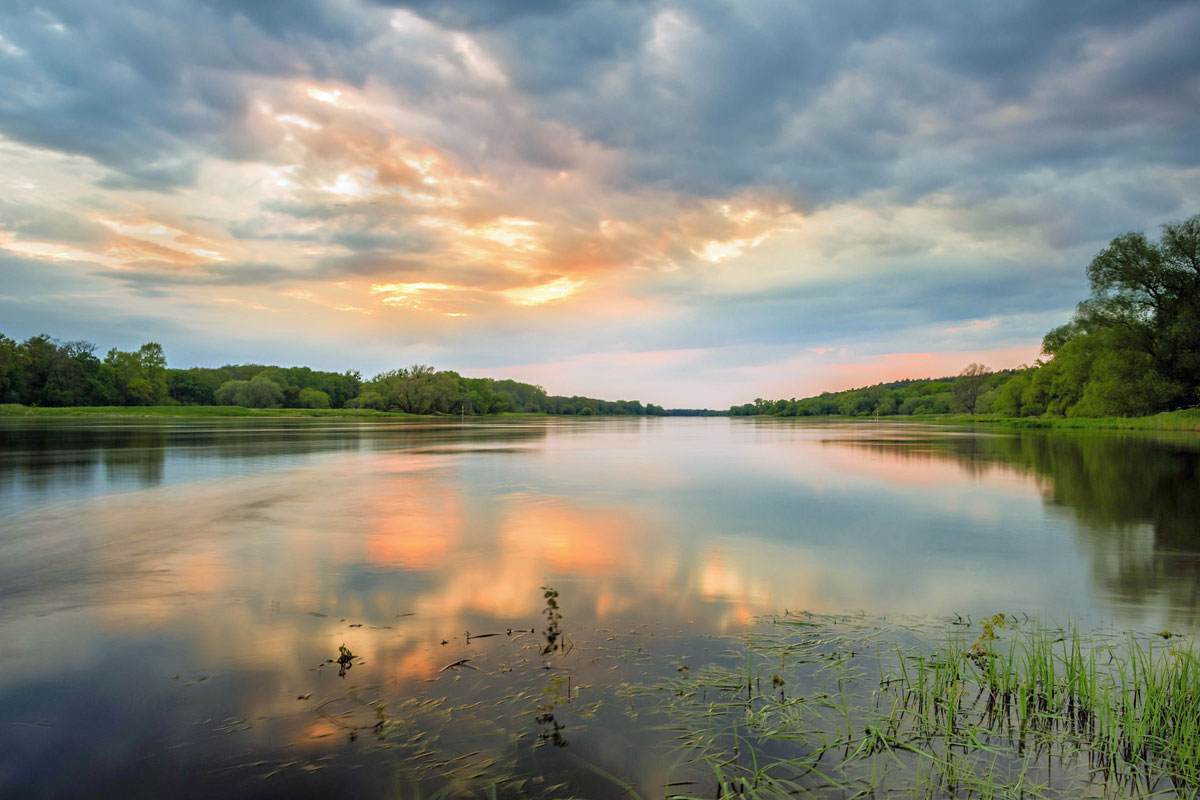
[
  {"x": 1122, "y": 384},
  {"x": 44, "y": 363},
  {"x": 969, "y": 387},
  {"x": 1009, "y": 398},
  {"x": 1148, "y": 295},
  {"x": 141, "y": 376},
  {"x": 313, "y": 398},
  {"x": 12, "y": 370},
  {"x": 190, "y": 387},
  {"x": 258, "y": 392}
]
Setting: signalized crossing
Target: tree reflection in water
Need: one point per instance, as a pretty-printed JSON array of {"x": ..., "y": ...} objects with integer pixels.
[{"x": 1135, "y": 499}]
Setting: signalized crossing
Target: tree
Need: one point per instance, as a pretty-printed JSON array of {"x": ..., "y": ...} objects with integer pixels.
[
  {"x": 1148, "y": 294},
  {"x": 1008, "y": 398},
  {"x": 1121, "y": 384},
  {"x": 970, "y": 385},
  {"x": 189, "y": 387},
  {"x": 258, "y": 392},
  {"x": 140, "y": 377},
  {"x": 44, "y": 363},
  {"x": 12, "y": 370},
  {"x": 313, "y": 398}
]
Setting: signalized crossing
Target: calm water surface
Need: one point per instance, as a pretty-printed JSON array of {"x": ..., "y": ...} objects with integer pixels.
[{"x": 172, "y": 592}]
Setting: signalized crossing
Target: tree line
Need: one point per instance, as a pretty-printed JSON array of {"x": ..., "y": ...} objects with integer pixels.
[
  {"x": 913, "y": 397},
  {"x": 1132, "y": 348},
  {"x": 43, "y": 371}
]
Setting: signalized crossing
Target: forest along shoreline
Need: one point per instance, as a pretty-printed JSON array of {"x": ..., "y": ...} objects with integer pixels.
[
  {"x": 1131, "y": 350},
  {"x": 1128, "y": 359},
  {"x": 1181, "y": 420}
]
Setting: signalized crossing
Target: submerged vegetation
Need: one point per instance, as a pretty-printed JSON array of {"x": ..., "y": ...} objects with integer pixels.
[
  {"x": 1022, "y": 710},
  {"x": 1132, "y": 349},
  {"x": 802, "y": 705}
]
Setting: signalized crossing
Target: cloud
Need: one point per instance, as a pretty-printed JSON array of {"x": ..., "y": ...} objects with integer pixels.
[
  {"x": 594, "y": 176},
  {"x": 152, "y": 275}
]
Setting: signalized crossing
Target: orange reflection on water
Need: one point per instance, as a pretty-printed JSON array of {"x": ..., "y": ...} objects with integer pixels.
[
  {"x": 414, "y": 523},
  {"x": 320, "y": 729},
  {"x": 572, "y": 541},
  {"x": 537, "y": 540},
  {"x": 720, "y": 580}
]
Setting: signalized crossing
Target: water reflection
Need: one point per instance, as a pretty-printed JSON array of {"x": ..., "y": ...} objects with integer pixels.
[
  {"x": 52, "y": 459},
  {"x": 157, "y": 575},
  {"x": 1135, "y": 500}
]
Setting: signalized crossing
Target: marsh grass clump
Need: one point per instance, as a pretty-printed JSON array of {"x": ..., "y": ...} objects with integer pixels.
[
  {"x": 1130, "y": 707},
  {"x": 841, "y": 707},
  {"x": 800, "y": 705}
]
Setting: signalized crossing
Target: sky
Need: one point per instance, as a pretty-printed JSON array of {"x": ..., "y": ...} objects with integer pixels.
[{"x": 687, "y": 203}]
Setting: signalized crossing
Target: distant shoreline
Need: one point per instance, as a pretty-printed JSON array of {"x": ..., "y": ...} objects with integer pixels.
[
  {"x": 1183, "y": 420},
  {"x": 17, "y": 410},
  {"x": 1187, "y": 419}
]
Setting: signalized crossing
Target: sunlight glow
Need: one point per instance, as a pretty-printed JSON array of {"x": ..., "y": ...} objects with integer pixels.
[
  {"x": 717, "y": 251},
  {"x": 409, "y": 295},
  {"x": 296, "y": 119},
  {"x": 346, "y": 186},
  {"x": 510, "y": 231},
  {"x": 558, "y": 289},
  {"x": 325, "y": 96}
]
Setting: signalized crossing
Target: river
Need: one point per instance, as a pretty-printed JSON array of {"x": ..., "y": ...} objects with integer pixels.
[{"x": 174, "y": 593}]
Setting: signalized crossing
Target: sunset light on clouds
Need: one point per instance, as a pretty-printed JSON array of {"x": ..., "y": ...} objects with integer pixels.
[{"x": 691, "y": 204}]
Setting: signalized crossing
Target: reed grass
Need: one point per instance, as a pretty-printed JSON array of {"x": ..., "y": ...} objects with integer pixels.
[
  {"x": 802, "y": 705},
  {"x": 1007, "y": 710}
]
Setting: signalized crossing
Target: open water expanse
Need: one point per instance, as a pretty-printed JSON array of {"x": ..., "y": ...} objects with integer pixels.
[{"x": 174, "y": 594}]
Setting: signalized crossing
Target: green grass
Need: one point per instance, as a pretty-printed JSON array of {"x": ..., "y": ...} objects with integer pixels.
[
  {"x": 18, "y": 410},
  {"x": 1187, "y": 419},
  {"x": 802, "y": 705},
  {"x": 15, "y": 410},
  {"x": 852, "y": 707}
]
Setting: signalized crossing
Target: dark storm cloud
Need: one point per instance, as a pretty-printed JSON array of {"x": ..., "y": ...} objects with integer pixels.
[
  {"x": 474, "y": 14},
  {"x": 147, "y": 89},
  {"x": 824, "y": 101},
  {"x": 33, "y": 301},
  {"x": 829, "y": 101},
  {"x": 41, "y": 223},
  {"x": 154, "y": 278},
  {"x": 362, "y": 241},
  {"x": 1030, "y": 128},
  {"x": 874, "y": 310},
  {"x": 304, "y": 210},
  {"x": 387, "y": 265}
]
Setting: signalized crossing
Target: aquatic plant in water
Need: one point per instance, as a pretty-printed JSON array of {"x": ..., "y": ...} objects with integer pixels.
[
  {"x": 806, "y": 705},
  {"x": 1024, "y": 710}
]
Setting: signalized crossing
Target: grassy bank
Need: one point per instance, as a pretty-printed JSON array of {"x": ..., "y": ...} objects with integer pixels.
[
  {"x": 17, "y": 410},
  {"x": 1185, "y": 420},
  {"x": 14, "y": 410}
]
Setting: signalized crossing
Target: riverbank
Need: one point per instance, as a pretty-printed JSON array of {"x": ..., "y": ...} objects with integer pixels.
[
  {"x": 18, "y": 410},
  {"x": 1183, "y": 420},
  {"x": 1187, "y": 419}
]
